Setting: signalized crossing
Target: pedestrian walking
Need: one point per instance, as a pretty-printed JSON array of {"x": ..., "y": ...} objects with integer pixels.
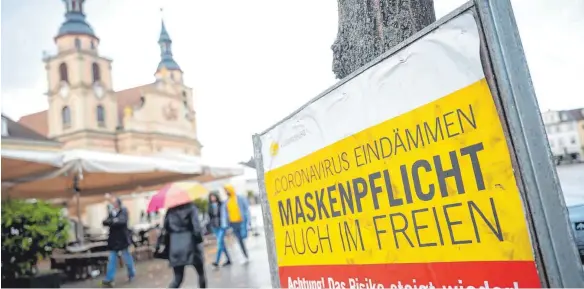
[
  {"x": 218, "y": 223},
  {"x": 237, "y": 208},
  {"x": 184, "y": 242},
  {"x": 119, "y": 239}
]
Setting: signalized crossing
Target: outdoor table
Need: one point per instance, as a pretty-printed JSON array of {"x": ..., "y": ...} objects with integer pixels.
[
  {"x": 87, "y": 247},
  {"x": 78, "y": 266}
]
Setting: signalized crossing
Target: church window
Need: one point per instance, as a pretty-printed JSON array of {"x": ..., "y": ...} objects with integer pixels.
[
  {"x": 74, "y": 5},
  {"x": 66, "y": 116},
  {"x": 92, "y": 45},
  {"x": 100, "y": 115},
  {"x": 172, "y": 76},
  {"x": 63, "y": 74},
  {"x": 142, "y": 101},
  {"x": 77, "y": 44},
  {"x": 95, "y": 72},
  {"x": 184, "y": 94}
]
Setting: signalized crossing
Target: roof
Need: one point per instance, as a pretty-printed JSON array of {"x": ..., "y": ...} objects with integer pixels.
[
  {"x": 37, "y": 122},
  {"x": 166, "y": 59},
  {"x": 169, "y": 63},
  {"x": 573, "y": 114},
  {"x": 19, "y": 131},
  {"x": 129, "y": 97},
  {"x": 164, "y": 37},
  {"x": 75, "y": 24}
]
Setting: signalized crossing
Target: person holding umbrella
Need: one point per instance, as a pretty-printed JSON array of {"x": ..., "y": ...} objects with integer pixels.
[
  {"x": 238, "y": 216},
  {"x": 119, "y": 239},
  {"x": 182, "y": 235}
]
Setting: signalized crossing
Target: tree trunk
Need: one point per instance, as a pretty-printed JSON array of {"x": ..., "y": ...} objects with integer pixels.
[{"x": 367, "y": 28}]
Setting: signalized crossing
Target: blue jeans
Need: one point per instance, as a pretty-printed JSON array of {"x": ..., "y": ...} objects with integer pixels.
[
  {"x": 240, "y": 232},
  {"x": 112, "y": 265},
  {"x": 220, "y": 236}
]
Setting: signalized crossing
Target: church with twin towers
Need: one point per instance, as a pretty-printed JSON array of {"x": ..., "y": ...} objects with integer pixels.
[{"x": 84, "y": 112}]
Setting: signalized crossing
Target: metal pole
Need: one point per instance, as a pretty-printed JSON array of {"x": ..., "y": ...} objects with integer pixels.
[
  {"x": 77, "y": 195},
  {"x": 268, "y": 225},
  {"x": 552, "y": 237}
]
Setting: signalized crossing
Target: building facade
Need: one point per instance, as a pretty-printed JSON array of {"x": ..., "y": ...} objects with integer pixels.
[
  {"x": 85, "y": 112},
  {"x": 17, "y": 136},
  {"x": 565, "y": 131}
]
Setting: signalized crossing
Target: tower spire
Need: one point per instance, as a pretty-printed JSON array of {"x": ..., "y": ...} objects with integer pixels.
[
  {"x": 75, "y": 23},
  {"x": 166, "y": 60}
]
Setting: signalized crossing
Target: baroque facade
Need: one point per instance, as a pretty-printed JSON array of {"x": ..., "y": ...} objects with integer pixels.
[{"x": 86, "y": 113}]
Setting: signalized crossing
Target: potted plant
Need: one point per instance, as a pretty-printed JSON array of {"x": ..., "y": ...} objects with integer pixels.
[{"x": 30, "y": 231}]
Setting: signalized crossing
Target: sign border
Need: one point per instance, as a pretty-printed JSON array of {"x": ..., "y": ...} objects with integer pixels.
[
  {"x": 512, "y": 89},
  {"x": 506, "y": 71}
]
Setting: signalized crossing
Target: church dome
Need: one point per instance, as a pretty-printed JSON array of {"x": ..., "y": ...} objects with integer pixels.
[
  {"x": 75, "y": 23},
  {"x": 168, "y": 63}
]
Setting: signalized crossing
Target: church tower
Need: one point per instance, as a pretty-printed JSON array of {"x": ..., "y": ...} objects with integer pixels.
[
  {"x": 167, "y": 69},
  {"x": 82, "y": 108},
  {"x": 169, "y": 78}
]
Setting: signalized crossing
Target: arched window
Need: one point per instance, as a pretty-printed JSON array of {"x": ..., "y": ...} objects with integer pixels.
[
  {"x": 66, "y": 116},
  {"x": 63, "y": 74},
  {"x": 77, "y": 43},
  {"x": 95, "y": 72},
  {"x": 100, "y": 115},
  {"x": 92, "y": 45},
  {"x": 184, "y": 94}
]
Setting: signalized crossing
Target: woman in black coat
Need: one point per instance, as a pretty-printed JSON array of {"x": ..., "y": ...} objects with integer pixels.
[
  {"x": 184, "y": 242},
  {"x": 118, "y": 240}
]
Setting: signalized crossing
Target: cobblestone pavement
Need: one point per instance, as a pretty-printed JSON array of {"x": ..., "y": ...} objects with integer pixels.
[{"x": 157, "y": 274}]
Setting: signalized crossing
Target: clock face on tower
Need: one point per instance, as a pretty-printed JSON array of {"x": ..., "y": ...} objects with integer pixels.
[
  {"x": 64, "y": 91},
  {"x": 98, "y": 90}
]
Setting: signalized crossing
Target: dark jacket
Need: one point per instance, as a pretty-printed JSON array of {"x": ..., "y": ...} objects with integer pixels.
[
  {"x": 217, "y": 213},
  {"x": 185, "y": 236},
  {"x": 119, "y": 235}
]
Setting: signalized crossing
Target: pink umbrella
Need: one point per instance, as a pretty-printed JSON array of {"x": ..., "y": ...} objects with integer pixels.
[{"x": 176, "y": 194}]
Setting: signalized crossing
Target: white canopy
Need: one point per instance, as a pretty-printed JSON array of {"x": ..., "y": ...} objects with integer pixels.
[
  {"x": 98, "y": 172},
  {"x": 19, "y": 164}
]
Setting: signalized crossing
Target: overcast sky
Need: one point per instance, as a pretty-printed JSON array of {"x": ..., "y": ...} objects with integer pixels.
[{"x": 252, "y": 62}]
